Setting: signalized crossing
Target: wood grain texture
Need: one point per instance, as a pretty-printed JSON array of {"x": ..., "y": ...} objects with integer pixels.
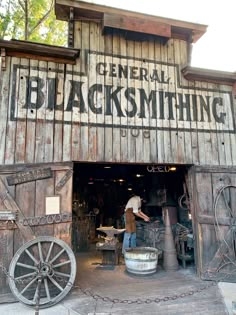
[
  {"x": 123, "y": 101},
  {"x": 29, "y": 200},
  {"x": 212, "y": 221},
  {"x": 136, "y": 25}
]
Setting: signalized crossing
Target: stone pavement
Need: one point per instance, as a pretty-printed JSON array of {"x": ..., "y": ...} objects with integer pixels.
[
  {"x": 75, "y": 304},
  {"x": 115, "y": 283}
]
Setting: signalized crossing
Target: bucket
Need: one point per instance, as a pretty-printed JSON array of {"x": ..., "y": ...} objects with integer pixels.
[{"x": 141, "y": 260}]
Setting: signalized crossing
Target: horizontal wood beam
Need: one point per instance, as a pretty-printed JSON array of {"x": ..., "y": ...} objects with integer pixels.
[
  {"x": 208, "y": 219},
  {"x": 38, "y": 57},
  {"x": 93, "y": 12},
  {"x": 192, "y": 73},
  {"x": 56, "y": 166},
  {"x": 43, "y": 50},
  {"x": 136, "y": 25},
  {"x": 214, "y": 169}
]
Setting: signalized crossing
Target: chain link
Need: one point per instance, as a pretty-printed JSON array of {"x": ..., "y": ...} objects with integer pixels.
[
  {"x": 20, "y": 281},
  {"x": 156, "y": 300},
  {"x": 106, "y": 298},
  {"x": 96, "y": 296},
  {"x": 115, "y": 300}
]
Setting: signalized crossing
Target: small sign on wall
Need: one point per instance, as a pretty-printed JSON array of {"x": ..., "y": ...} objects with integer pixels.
[
  {"x": 52, "y": 205},
  {"x": 29, "y": 175}
]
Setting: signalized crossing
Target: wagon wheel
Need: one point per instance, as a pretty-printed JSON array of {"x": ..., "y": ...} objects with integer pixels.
[
  {"x": 226, "y": 253},
  {"x": 183, "y": 202},
  {"x": 43, "y": 269}
]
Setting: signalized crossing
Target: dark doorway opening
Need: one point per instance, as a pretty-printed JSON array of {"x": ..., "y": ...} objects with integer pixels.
[{"x": 101, "y": 191}]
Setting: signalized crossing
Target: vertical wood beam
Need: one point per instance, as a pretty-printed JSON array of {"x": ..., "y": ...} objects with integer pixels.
[
  {"x": 234, "y": 90},
  {"x": 3, "y": 59},
  {"x": 190, "y": 49},
  {"x": 71, "y": 28}
]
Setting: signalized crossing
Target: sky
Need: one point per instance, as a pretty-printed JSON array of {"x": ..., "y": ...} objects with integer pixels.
[{"x": 216, "y": 49}]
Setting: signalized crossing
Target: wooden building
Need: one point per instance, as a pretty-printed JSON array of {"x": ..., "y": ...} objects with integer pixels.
[{"x": 121, "y": 101}]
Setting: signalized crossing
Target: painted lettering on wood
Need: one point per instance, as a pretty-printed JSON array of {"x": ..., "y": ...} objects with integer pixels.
[
  {"x": 28, "y": 176},
  {"x": 162, "y": 106}
]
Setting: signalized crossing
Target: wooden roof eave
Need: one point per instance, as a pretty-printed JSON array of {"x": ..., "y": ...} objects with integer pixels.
[
  {"x": 40, "y": 51},
  {"x": 215, "y": 76},
  {"x": 94, "y": 12}
]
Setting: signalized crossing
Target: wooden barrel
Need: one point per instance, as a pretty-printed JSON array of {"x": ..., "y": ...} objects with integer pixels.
[{"x": 141, "y": 260}]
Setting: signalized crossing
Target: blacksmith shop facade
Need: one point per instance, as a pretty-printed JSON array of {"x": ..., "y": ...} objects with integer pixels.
[{"x": 120, "y": 107}]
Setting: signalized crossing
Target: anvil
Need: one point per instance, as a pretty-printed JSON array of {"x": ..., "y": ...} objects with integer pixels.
[{"x": 110, "y": 231}]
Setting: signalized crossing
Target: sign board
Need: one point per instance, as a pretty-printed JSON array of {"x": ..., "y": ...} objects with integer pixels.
[
  {"x": 120, "y": 92},
  {"x": 28, "y": 176},
  {"x": 64, "y": 180},
  {"x": 52, "y": 205}
]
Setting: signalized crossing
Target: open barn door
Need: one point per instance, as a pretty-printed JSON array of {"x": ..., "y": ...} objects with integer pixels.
[{"x": 213, "y": 204}]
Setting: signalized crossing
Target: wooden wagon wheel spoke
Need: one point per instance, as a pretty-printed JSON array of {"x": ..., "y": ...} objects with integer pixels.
[
  {"x": 57, "y": 256},
  {"x": 47, "y": 289},
  {"x": 62, "y": 274},
  {"x": 61, "y": 264},
  {"x": 26, "y": 266},
  {"x": 36, "y": 294},
  {"x": 56, "y": 279},
  {"x": 26, "y": 276},
  {"x": 28, "y": 285},
  {"x": 40, "y": 252},
  {"x": 56, "y": 283},
  {"x": 32, "y": 257},
  {"x": 49, "y": 252}
]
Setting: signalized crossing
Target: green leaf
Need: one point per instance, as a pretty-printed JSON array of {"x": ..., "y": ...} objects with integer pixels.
[{"x": 35, "y": 22}]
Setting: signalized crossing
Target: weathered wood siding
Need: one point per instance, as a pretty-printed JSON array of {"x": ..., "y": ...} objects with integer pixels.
[
  {"x": 214, "y": 209},
  {"x": 124, "y": 101},
  {"x": 30, "y": 198}
]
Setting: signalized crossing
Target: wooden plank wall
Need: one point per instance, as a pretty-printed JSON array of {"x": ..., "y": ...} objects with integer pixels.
[
  {"x": 212, "y": 220},
  {"x": 30, "y": 198},
  {"x": 48, "y": 131}
]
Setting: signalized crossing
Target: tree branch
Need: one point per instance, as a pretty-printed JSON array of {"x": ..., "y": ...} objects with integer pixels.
[
  {"x": 26, "y": 20},
  {"x": 6, "y": 20},
  {"x": 42, "y": 19},
  {"x": 21, "y": 5}
]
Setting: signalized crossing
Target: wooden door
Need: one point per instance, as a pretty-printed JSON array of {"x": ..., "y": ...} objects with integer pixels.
[
  {"x": 41, "y": 194},
  {"x": 213, "y": 206}
]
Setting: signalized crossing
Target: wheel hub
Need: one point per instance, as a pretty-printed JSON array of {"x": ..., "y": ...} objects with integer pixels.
[{"x": 45, "y": 269}]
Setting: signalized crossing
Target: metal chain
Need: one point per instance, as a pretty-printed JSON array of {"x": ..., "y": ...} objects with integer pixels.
[
  {"x": 116, "y": 300},
  {"x": 21, "y": 281},
  {"x": 96, "y": 296},
  {"x": 89, "y": 293},
  {"x": 144, "y": 301}
]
